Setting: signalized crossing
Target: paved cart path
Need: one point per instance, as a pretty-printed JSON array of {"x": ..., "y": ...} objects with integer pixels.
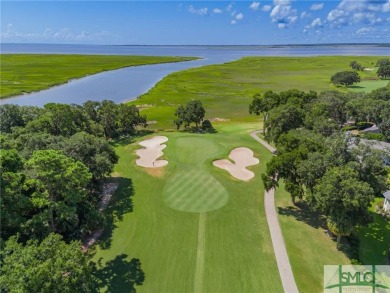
[{"x": 282, "y": 259}]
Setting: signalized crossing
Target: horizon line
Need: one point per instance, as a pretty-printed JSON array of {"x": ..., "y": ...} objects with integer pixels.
[{"x": 200, "y": 45}]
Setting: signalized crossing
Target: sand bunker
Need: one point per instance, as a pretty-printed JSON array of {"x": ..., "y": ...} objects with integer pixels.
[
  {"x": 151, "y": 152},
  {"x": 243, "y": 157}
]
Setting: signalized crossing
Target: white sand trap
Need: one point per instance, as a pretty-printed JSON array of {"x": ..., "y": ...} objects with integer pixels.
[
  {"x": 151, "y": 152},
  {"x": 243, "y": 157}
]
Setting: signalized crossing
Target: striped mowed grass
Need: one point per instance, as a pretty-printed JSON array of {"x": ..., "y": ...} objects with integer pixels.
[
  {"x": 192, "y": 188},
  {"x": 195, "y": 228}
]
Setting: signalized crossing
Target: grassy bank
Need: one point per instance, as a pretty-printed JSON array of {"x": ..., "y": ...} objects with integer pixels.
[
  {"x": 227, "y": 89},
  {"x": 24, "y": 73},
  {"x": 231, "y": 252},
  {"x": 375, "y": 239},
  {"x": 308, "y": 246}
]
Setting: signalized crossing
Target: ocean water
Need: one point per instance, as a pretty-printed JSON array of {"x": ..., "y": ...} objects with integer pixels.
[{"x": 128, "y": 83}]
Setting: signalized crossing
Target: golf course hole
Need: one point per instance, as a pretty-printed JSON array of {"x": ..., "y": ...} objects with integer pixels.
[{"x": 194, "y": 191}]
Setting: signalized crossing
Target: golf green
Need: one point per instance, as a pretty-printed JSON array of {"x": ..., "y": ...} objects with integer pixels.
[{"x": 194, "y": 188}]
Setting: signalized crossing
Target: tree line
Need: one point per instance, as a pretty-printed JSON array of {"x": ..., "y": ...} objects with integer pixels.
[
  {"x": 347, "y": 78},
  {"x": 320, "y": 162},
  {"x": 53, "y": 164}
]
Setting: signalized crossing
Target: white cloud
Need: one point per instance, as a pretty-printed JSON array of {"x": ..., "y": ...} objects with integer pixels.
[
  {"x": 255, "y": 5},
  {"x": 229, "y": 7},
  {"x": 386, "y": 7},
  {"x": 282, "y": 2},
  {"x": 200, "y": 11},
  {"x": 233, "y": 21},
  {"x": 49, "y": 35},
  {"x": 266, "y": 7},
  {"x": 315, "y": 23},
  {"x": 217, "y": 10},
  {"x": 316, "y": 7},
  {"x": 283, "y": 15},
  {"x": 358, "y": 12},
  {"x": 364, "y": 30},
  {"x": 239, "y": 16},
  {"x": 305, "y": 14}
]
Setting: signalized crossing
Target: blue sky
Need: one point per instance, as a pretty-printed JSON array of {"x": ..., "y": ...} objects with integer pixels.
[{"x": 195, "y": 22}]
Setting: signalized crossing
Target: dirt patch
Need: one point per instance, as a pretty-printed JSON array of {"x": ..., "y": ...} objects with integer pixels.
[
  {"x": 108, "y": 190},
  {"x": 216, "y": 119},
  {"x": 155, "y": 172}
]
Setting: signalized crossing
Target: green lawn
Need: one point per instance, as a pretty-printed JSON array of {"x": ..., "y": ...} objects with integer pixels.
[
  {"x": 24, "y": 73},
  {"x": 369, "y": 85},
  {"x": 308, "y": 246},
  {"x": 222, "y": 245},
  {"x": 227, "y": 89},
  {"x": 375, "y": 239}
]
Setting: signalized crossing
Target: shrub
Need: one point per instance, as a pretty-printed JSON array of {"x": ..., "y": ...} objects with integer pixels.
[
  {"x": 349, "y": 127},
  {"x": 207, "y": 126},
  {"x": 373, "y": 136}
]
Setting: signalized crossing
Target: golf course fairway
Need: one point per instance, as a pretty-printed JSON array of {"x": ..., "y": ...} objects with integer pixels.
[{"x": 194, "y": 227}]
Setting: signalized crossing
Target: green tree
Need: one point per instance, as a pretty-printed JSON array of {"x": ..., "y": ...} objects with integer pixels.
[
  {"x": 381, "y": 62},
  {"x": 94, "y": 152},
  {"x": 58, "y": 184},
  {"x": 263, "y": 104},
  {"x": 382, "y": 93},
  {"x": 49, "y": 266},
  {"x": 383, "y": 71},
  {"x": 384, "y": 124},
  {"x": 10, "y": 117},
  {"x": 107, "y": 113},
  {"x": 344, "y": 200},
  {"x": 355, "y": 65},
  {"x": 128, "y": 118},
  {"x": 293, "y": 148},
  {"x": 192, "y": 112},
  {"x": 281, "y": 120},
  {"x": 345, "y": 78},
  {"x": 14, "y": 204}
]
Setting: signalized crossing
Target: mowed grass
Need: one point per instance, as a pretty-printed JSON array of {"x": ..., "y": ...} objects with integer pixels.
[
  {"x": 375, "y": 239},
  {"x": 238, "y": 253},
  {"x": 369, "y": 85},
  {"x": 227, "y": 89},
  {"x": 25, "y": 73},
  {"x": 308, "y": 246}
]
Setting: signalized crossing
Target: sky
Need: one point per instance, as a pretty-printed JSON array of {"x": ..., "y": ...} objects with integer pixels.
[{"x": 195, "y": 22}]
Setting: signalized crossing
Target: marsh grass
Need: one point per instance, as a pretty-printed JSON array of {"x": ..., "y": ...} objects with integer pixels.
[
  {"x": 227, "y": 89},
  {"x": 25, "y": 73}
]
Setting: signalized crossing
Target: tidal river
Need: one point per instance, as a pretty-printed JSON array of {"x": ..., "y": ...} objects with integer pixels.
[{"x": 128, "y": 83}]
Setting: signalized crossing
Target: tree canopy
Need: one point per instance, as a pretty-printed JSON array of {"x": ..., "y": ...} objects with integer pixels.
[
  {"x": 49, "y": 266},
  {"x": 345, "y": 78},
  {"x": 344, "y": 199},
  {"x": 192, "y": 112},
  {"x": 383, "y": 71}
]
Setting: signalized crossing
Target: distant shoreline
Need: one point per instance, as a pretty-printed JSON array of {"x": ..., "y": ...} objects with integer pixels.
[{"x": 210, "y": 45}]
